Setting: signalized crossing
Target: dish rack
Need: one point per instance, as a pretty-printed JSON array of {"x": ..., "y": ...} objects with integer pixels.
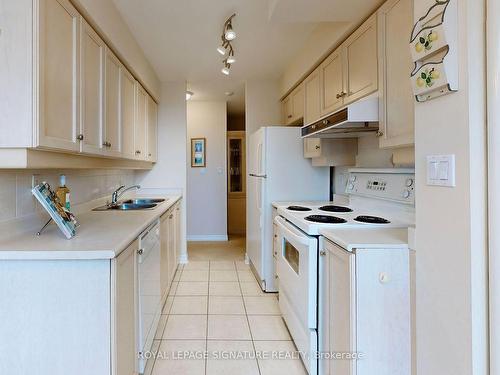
[{"x": 434, "y": 52}]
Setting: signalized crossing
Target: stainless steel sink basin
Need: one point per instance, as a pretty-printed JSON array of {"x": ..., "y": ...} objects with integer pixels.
[
  {"x": 125, "y": 206},
  {"x": 132, "y": 206},
  {"x": 144, "y": 200}
]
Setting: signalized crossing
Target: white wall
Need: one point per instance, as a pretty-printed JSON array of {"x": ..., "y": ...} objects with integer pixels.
[
  {"x": 207, "y": 187},
  {"x": 109, "y": 22},
  {"x": 262, "y": 105},
  {"x": 169, "y": 173},
  {"x": 451, "y": 228}
]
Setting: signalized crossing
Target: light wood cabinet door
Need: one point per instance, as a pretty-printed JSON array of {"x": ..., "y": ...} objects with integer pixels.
[
  {"x": 172, "y": 251},
  {"x": 331, "y": 84},
  {"x": 112, "y": 105},
  {"x": 128, "y": 117},
  {"x": 361, "y": 61},
  {"x": 297, "y": 100},
  {"x": 312, "y": 101},
  {"x": 92, "y": 90},
  {"x": 164, "y": 255},
  {"x": 140, "y": 128},
  {"x": 397, "y": 108},
  {"x": 124, "y": 327},
  {"x": 337, "y": 309},
  {"x": 59, "y": 64},
  {"x": 152, "y": 121},
  {"x": 312, "y": 147},
  {"x": 286, "y": 109}
]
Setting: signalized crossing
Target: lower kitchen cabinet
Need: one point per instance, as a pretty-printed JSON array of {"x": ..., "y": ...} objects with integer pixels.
[
  {"x": 364, "y": 308},
  {"x": 124, "y": 292},
  {"x": 170, "y": 246}
]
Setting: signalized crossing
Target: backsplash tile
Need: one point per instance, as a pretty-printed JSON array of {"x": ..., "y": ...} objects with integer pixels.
[
  {"x": 17, "y": 201},
  {"x": 7, "y": 196}
]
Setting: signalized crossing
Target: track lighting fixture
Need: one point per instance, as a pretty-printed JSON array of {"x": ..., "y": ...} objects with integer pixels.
[{"x": 226, "y": 48}]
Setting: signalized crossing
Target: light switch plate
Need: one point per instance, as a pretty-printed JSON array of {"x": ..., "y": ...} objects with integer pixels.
[{"x": 441, "y": 170}]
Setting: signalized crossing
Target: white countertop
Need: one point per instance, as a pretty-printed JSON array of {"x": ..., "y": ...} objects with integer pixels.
[
  {"x": 101, "y": 235},
  {"x": 372, "y": 238}
]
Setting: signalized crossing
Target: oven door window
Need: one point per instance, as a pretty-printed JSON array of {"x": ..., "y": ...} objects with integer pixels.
[{"x": 291, "y": 255}]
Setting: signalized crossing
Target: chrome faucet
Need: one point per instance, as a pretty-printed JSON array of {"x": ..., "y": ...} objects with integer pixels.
[{"x": 120, "y": 191}]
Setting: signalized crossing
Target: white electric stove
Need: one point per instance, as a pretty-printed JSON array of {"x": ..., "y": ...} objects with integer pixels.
[{"x": 376, "y": 198}]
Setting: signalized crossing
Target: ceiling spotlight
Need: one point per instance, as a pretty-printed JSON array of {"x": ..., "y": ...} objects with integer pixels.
[
  {"x": 189, "y": 94},
  {"x": 221, "y": 50},
  {"x": 230, "y": 34}
]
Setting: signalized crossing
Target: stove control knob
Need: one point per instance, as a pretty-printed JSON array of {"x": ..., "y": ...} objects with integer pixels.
[
  {"x": 350, "y": 186},
  {"x": 406, "y": 194},
  {"x": 352, "y": 178},
  {"x": 409, "y": 182}
]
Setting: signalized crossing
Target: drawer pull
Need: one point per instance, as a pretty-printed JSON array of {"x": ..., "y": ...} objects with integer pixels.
[{"x": 322, "y": 253}]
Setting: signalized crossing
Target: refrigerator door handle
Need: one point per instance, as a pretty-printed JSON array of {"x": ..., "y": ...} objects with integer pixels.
[{"x": 258, "y": 175}]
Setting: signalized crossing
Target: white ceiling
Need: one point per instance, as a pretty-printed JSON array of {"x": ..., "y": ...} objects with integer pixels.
[{"x": 179, "y": 37}]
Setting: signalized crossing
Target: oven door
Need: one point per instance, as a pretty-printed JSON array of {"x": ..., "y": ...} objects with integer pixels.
[{"x": 297, "y": 272}]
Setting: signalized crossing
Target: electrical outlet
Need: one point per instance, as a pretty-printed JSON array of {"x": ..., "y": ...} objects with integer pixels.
[{"x": 35, "y": 180}]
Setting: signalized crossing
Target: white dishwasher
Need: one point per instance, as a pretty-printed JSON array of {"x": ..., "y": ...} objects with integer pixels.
[{"x": 149, "y": 291}]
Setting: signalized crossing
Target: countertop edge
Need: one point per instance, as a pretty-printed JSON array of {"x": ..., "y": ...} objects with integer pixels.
[{"x": 98, "y": 254}]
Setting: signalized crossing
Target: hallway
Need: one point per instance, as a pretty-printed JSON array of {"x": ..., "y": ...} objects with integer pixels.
[{"x": 217, "y": 320}]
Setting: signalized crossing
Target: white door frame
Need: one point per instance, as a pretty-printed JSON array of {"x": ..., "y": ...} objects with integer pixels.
[{"x": 493, "y": 107}]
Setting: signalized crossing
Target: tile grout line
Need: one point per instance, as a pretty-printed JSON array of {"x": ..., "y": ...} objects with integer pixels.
[
  {"x": 248, "y": 322},
  {"x": 208, "y": 307},
  {"x": 179, "y": 268}
]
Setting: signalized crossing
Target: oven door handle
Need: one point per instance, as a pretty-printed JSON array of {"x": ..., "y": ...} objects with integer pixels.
[{"x": 291, "y": 232}]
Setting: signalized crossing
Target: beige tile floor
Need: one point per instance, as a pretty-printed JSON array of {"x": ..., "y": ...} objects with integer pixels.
[{"x": 216, "y": 320}]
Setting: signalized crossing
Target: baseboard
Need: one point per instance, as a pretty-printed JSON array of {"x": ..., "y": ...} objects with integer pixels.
[{"x": 207, "y": 238}]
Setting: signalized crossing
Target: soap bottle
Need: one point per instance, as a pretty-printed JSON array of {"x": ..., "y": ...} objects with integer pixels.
[{"x": 62, "y": 193}]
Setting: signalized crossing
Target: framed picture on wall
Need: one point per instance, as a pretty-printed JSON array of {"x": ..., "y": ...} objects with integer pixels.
[{"x": 198, "y": 152}]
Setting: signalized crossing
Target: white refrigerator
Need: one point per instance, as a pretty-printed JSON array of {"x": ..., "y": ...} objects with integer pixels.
[{"x": 277, "y": 171}]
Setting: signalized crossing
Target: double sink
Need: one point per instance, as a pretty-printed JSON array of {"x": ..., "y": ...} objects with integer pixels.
[{"x": 132, "y": 204}]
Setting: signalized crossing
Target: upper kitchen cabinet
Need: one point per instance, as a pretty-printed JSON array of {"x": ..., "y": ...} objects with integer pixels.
[
  {"x": 361, "y": 61},
  {"x": 331, "y": 83},
  {"x": 128, "y": 116},
  {"x": 58, "y": 71},
  {"x": 141, "y": 126},
  {"x": 397, "y": 110},
  {"x": 68, "y": 96},
  {"x": 112, "y": 125},
  {"x": 152, "y": 130},
  {"x": 312, "y": 98},
  {"x": 293, "y": 106},
  {"x": 92, "y": 90}
]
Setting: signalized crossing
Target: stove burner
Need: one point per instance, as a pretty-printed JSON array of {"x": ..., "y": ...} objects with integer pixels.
[
  {"x": 325, "y": 219},
  {"x": 372, "y": 220},
  {"x": 335, "y": 209},
  {"x": 298, "y": 208}
]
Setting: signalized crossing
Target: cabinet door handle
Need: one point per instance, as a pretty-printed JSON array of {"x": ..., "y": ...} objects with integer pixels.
[
  {"x": 338, "y": 96},
  {"x": 322, "y": 253},
  {"x": 171, "y": 216},
  {"x": 289, "y": 116},
  {"x": 140, "y": 251},
  {"x": 379, "y": 133},
  {"x": 318, "y": 147},
  {"x": 138, "y": 152},
  {"x": 79, "y": 137},
  {"x": 107, "y": 144}
]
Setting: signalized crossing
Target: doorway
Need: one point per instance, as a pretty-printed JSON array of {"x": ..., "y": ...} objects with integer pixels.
[{"x": 236, "y": 172}]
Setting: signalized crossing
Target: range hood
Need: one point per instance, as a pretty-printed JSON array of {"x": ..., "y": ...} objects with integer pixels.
[{"x": 356, "y": 119}]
